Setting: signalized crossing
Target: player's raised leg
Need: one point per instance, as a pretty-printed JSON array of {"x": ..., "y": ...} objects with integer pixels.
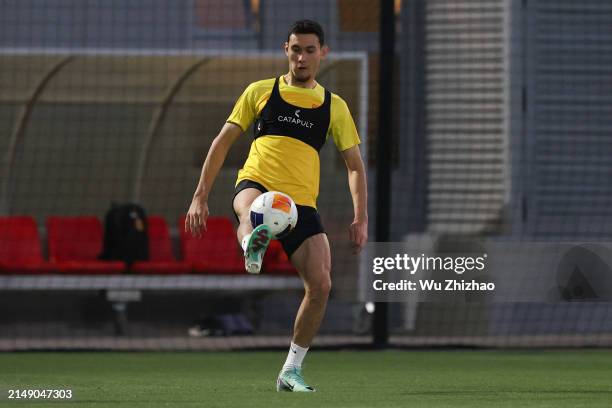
[
  {"x": 254, "y": 242},
  {"x": 313, "y": 262}
]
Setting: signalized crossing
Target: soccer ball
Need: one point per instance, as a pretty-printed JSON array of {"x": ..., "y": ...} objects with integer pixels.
[{"x": 276, "y": 210}]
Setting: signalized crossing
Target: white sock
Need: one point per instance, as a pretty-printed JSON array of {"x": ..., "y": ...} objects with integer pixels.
[
  {"x": 295, "y": 357},
  {"x": 245, "y": 241}
]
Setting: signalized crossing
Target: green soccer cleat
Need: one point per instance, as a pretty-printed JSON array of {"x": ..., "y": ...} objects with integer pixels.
[
  {"x": 292, "y": 380},
  {"x": 256, "y": 248}
]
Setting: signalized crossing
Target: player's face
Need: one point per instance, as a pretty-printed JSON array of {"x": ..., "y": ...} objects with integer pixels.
[{"x": 305, "y": 54}]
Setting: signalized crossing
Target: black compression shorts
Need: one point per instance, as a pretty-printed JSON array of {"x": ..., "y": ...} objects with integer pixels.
[{"x": 309, "y": 221}]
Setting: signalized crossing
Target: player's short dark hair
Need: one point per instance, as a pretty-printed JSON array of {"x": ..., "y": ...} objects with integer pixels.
[{"x": 307, "y": 27}]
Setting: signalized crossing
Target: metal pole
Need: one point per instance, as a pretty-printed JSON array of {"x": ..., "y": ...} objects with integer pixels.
[
  {"x": 20, "y": 126},
  {"x": 383, "y": 150},
  {"x": 156, "y": 120}
]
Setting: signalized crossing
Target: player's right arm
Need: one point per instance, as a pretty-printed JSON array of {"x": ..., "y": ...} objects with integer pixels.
[{"x": 198, "y": 210}]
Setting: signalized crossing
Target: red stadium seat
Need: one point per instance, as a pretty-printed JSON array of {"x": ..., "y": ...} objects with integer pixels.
[
  {"x": 74, "y": 246},
  {"x": 216, "y": 251},
  {"x": 276, "y": 261},
  {"x": 20, "y": 247},
  {"x": 161, "y": 260}
]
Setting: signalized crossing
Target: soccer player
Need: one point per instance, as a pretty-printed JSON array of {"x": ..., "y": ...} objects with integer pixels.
[{"x": 294, "y": 115}]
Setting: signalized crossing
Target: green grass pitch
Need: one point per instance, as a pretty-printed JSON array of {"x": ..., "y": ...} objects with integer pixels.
[{"x": 574, "y": 378}]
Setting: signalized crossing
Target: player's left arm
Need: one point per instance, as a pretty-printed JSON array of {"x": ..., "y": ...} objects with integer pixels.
[{"x": 358, "y": 231}]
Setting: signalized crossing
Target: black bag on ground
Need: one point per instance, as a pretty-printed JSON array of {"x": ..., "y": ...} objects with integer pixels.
[{"x": 125, "y": 234}]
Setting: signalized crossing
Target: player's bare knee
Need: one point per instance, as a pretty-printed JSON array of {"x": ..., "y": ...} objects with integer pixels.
[
  {"x": 319, "y": 289},
  {"x": 243, "y": 217},
  {"x": 244, "y": 199},
  {"x": 325, "y": 287}
]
